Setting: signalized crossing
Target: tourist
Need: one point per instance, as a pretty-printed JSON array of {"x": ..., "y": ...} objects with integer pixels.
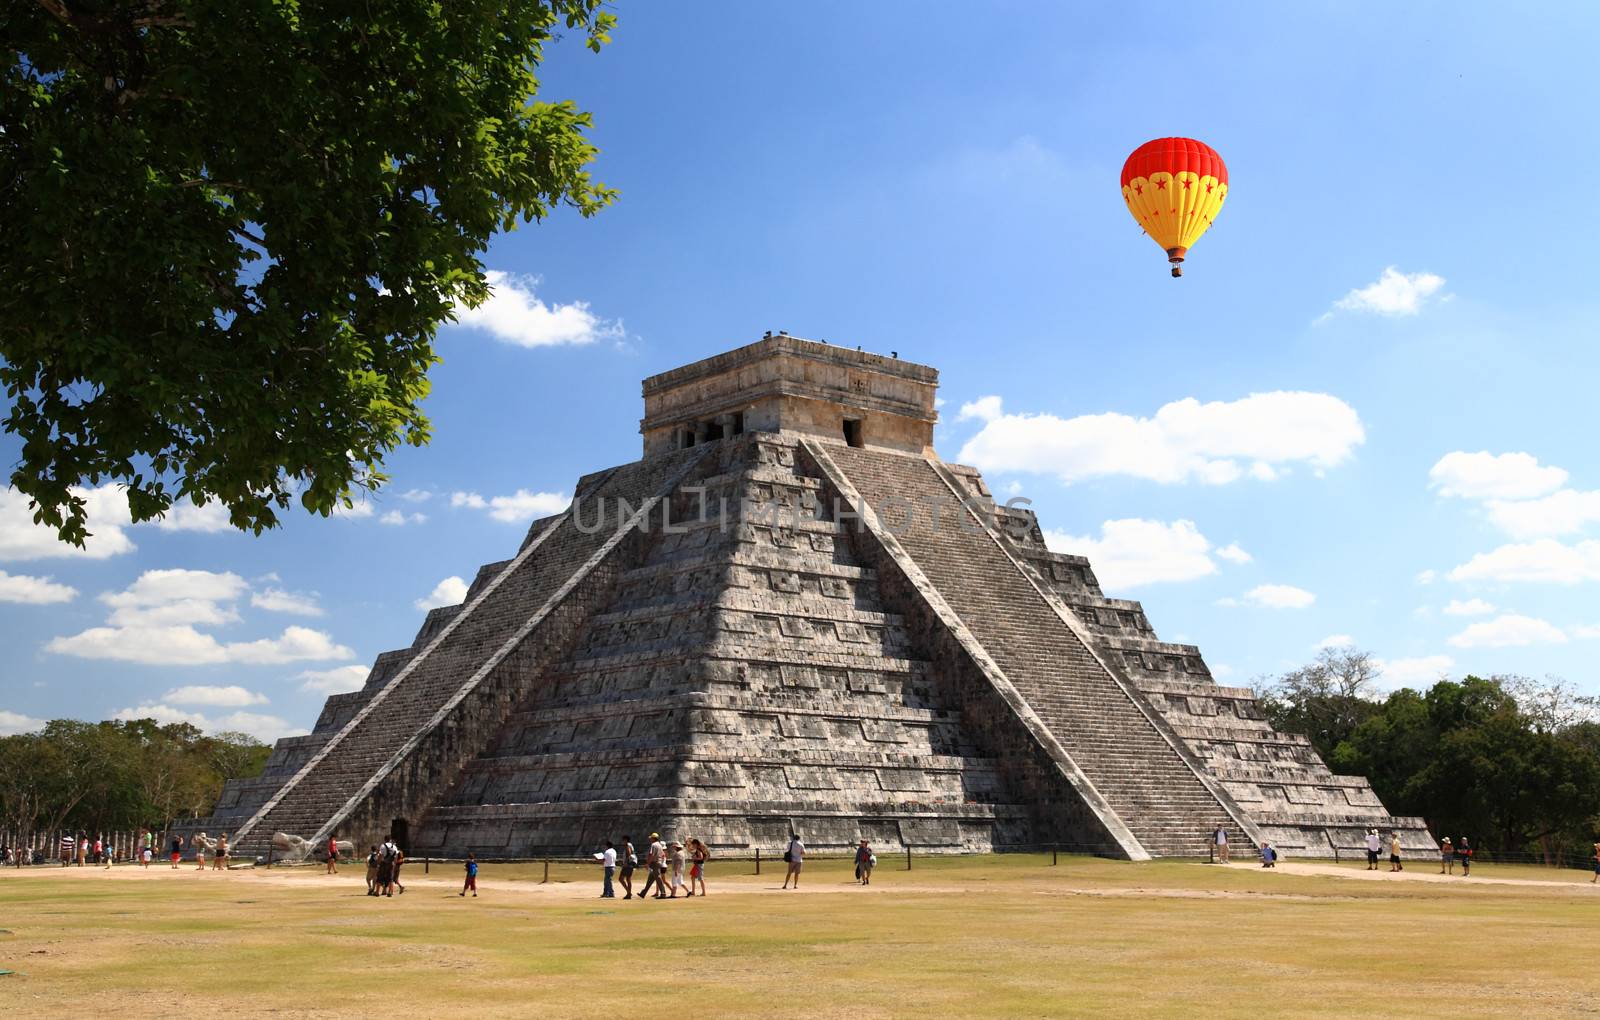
[
  {"x": 629, "y": 861},
  {"x": 149, "y": 851},
  {"x": 331, "y": 856},
  {"x": 1219, "y": 839},
  {"x": 866, "y": 860},
  {"x": 1394, "y": 852},
  {"x": 1269, "y": 855},
  {"x": 676, "y": 861},
  {"x": 1374, "y": 845},
  {"x": 608, "y": 866},
  {"x": 399, "y": 859},
  {"x": 699, "y": 853},
  {"x": 219, "y": 856},
  {"x": 795, "y": 856},
  {"x": 472, "y": 876},
  {"x": 1464, "y": 856},
  {"x": 1447, "y": 857},
  {"x": 199, "y": 841},
  {"x": 372, "y": 871},
  {"x": 99, "y": 849},
  {"x": 1596, "y": 877},
  {"x": 386, "y": 854},
  {"x": 654, "y": 860}
]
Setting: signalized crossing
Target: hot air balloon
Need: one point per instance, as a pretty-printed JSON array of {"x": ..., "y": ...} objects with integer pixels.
[{"x": 1174, "y": 188}]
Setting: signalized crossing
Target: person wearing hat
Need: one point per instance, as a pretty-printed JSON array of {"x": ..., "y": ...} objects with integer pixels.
[
  {"x": 1374, "y": 844},
  {"x": 654, "y": 860},
  {"x": 1447, "y": 857},
  {"x": 865, "y": 861},
  {"x": 676, "y": 861}
]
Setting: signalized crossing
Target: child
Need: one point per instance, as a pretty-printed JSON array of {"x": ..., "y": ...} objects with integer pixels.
[
  {"x": 1269, "y": 856},
  {"x": 472, "y": 876},
  {"x": 699, "y": 853},
  {"x": 372, "y": 871}
]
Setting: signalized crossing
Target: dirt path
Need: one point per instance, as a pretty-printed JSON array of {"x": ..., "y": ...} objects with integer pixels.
[{"x": 1423, "y": 871}]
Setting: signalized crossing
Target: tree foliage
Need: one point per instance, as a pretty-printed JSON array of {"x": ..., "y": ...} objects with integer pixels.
[
  {"x": 117, "y": 775},
  {"x": 229, "y": 230}
]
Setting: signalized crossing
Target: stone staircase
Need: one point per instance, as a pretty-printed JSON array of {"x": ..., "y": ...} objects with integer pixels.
[
  {"x": 446, "y": 704},
  {"x": 1136, "y": 768}
]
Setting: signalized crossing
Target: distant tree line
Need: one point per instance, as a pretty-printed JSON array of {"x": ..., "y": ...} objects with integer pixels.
[
  {"x": 103, "y": 776},
  {"x": 1511, "y": 762}
]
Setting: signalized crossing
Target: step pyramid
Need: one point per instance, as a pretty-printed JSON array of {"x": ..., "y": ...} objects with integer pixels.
[{"x": 791, "y": 615}]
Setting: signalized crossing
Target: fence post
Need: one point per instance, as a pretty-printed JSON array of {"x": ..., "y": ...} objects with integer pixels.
[
  {"x": 758, "y": 860},
  {"x": 424, "y": 865},
  {"x": 1054, "y": 852},
  {"x": 908, "y": 856},
  {"x": 546, "y": 871}
]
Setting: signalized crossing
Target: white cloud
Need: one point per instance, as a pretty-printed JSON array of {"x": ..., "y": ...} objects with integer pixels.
[
  {"x": 1393, "y": 293},
  {"x": 34, "y": 591},
  {"x": 397, "y": 518},
  {"x": 263, "y": 727},
  {"x": 211, "y": 518},
  {"x": 1509, "y": 630},
  {"x": 1423, "y": 669},
  {"x": 1545, "y": 561},
  {"x": 1273, "y": 596},
  {"x": 449, "y": 592},
  {"x": 1484, "y": 475},
  {"x": 1334, "y": 641},
  {"x": 359, "y": 509},
  {"x": 517, "y": 508},
  {"x": 1133, "y": 551},
  {"x": 983, "y": 409},
  {"x": 1586, "y": 631},
  {"x": 1561, "y": 513},
  {"x": 1471, "y": 607},
  {"x": 339, "y": 680},
  {"x": 1222, "y": 671},
  {"x": 186, "y": 612},
  {"x": 106, "y": 508},
  {"x": 185, "y": 646},
  {"x": 1184, "y": 441},
  {"x": 514, "y": 315},
  {"x": 416, "y": 495},
  {"x": 277, "y": 600},
  {"x": 12, "y": 723},
  {"x": 1427, "y": 576},
  {"x": 232, "y": 696},
  {"x": 1233, "y": 554},
  {"x": 159, "y": 587}
]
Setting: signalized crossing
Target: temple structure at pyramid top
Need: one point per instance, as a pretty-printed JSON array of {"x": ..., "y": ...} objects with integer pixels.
[
  {"x": 791, "y": 615},
  {"x": 797, "y": 387}
]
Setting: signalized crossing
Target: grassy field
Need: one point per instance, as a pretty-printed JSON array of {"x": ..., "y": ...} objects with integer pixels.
[{"x": 971, "y": 937}]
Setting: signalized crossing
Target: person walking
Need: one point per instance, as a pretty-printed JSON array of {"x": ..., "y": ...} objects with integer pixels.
[
  {"x": 219, "y": 856},
  {"x": 1447, "y": 857},
  {"x": 654, "y": 862},
  {"x": 699, "y": 854},
  {"x": 608, "y": 864},
  {"x": 627, "y": 862},
  {"x": 1219, "y": 839},
  {"x": 1394, "y": 852},
  {"x": 1374, "y": 845},
  {"x": 330, "y": 855},
  {"x": 1269, "y": 855},
  {"x": 472, "y": 876},
  {"x": 676, "y": 862},
  {"x": 1596, "y": 877},
  {"x": 795, "y": 856},
  {"x": 149, "y": 851},
  {"x": 386, "y": 854},
  {"x": 1464, "y": 856},
  {"x": 864, "y": 862},
  {"x": 175, "y": 850},
  {"x": 372, "y": 871},
  {"x": 399, "y": 859},
  {"x": 199, "y": 841}
]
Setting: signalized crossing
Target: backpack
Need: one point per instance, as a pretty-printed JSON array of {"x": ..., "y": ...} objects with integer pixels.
[{"x": 389, "y": 850}]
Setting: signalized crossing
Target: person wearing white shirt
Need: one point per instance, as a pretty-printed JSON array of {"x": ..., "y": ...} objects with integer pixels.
[
  {"x": 1374, "y": 844},
  {"x": 608, "y": 862},
  {"x": 796, "y": 856}
]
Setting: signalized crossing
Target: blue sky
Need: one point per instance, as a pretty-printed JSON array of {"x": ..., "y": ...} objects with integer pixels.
[{"x": 1380, "y": 365}]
